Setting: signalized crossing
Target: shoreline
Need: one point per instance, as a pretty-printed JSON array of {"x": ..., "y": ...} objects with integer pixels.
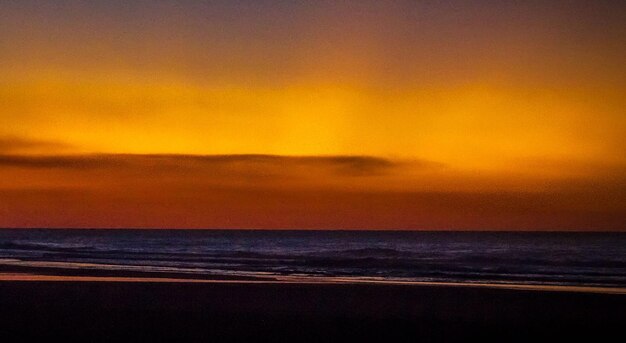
[{"x": 165, "y": 278}]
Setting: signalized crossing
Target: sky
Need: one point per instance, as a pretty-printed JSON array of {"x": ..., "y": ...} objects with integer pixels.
[{"x": 420, "y": 115}]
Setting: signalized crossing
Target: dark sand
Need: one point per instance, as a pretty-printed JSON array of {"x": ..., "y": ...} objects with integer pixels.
[{"x": 175, "y": 311}]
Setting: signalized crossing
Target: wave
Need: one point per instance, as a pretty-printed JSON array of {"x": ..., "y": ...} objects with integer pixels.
[
  {"x": 439, "y": 258},
  {"x": 369, "y": 252},
  {"x": 43, "y": 246},
  {"x": 358, "y": 257}
]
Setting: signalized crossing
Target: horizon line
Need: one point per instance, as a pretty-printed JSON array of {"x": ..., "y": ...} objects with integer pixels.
[{"x": 491, "y": 230}]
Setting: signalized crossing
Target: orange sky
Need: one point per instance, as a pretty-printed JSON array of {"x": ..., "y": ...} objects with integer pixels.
[{"x": 376, "y": 115}]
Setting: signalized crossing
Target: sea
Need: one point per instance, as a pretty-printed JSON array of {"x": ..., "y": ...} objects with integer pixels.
[{"x": 551, "y": 258}]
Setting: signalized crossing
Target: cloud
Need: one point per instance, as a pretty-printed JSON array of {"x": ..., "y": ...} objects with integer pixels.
[
  {"x": 62, "y": 162},
  {"x": 13, "y": 144},
  {"x": 273, "y": 191},
  {"x": 341, "y": 165},
  {"x": 192, "y": 172},
  {"x": 344, "y": 165}
]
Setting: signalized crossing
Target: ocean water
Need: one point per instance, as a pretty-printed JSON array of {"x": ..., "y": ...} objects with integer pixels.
[{"x": 579, "y": 259}]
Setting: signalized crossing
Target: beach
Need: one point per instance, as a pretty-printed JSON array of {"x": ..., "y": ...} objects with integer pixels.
[
  {"x": 109, "y": 309},
  {"x": 199, "y": 286}
]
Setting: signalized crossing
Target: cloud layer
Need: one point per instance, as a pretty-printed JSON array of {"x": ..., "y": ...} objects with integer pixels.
[
  {"x": 298, "y": 192},
  {"x": 13, "y": 144}
]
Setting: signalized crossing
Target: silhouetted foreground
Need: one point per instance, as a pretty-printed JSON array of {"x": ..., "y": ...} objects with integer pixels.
[{"x": 108, "y": 311}]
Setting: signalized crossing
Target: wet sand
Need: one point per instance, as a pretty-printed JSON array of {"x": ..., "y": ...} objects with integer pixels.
[{"x": 179, "y": 310}]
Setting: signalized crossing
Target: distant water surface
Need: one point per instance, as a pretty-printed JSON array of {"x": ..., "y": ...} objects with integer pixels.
[{"x": 573, "y": 259}]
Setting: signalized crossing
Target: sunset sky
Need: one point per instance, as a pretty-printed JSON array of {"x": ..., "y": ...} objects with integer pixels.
[{"x": 430, "y": 115}]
